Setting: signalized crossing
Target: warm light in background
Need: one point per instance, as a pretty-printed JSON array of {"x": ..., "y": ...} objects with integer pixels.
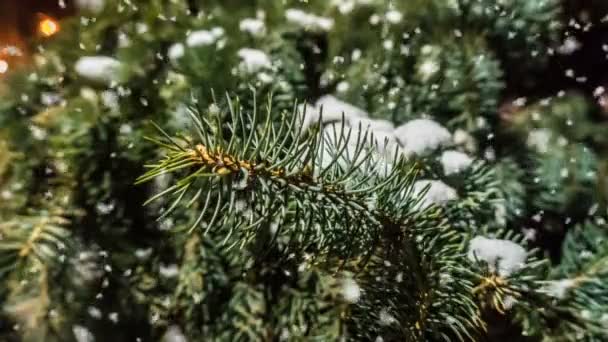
[{"x": 47, "y": 26}]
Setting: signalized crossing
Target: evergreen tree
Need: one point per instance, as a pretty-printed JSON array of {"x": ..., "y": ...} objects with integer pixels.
[{"x": 289, "y": 170}]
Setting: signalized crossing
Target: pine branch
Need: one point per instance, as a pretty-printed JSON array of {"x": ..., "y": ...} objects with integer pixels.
[{"x": 323, "y": 198}]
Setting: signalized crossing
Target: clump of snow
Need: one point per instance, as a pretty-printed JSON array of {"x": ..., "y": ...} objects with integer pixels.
[
  {"x": 101, "y": 69},
  {"x": 217, "y": 31},
  {"x": 354, "y": 145},
  {"x": 429, "y": 63},
  {"x": 342, "y": 87},
  {"x": 168, "y": 271},
  {"x": 421, "y": 136},
  {"x": 335, "y": 136},
  {"x": 428, "y": 68},
  {"x": 93, "y": 6},
  {"x": 332, "y": 106},
  {"x": 204, "y": 37},
  {"x": 438, "y": 193},
  {"x": 176, "y": 51},
  {"x": 508, "y": 302},
  {"x": 455, "y": 162},
  {"x": 344, "y": 6},
  {"x": 113, "y": 316},
  {"x": 308, "y": 21},
  {"x": 380, "y": 133},
  {"x": 393, "y": 16},
  {"x": 351, "y": 290},
  {"x": 82, "y": 334},
  {"x": 367, "y": 123},
  {"x": 109, "y": 99},
  {"x": 253, "y": 60},
  {"x": 502, "y": 256},
  {"x": 558, "y": 288},
  {"x": 174, "y": 334},
  {"x": 331, "y": 109},
  {"x": 464, "y": 139},
  {"x": 569, "y": 46},
  {"x": 358, "y": 129},
  {"x": 386, "y": 318},
  {"x": 539, "y": 140},
  {"x": 49, "y": 98},
  {"x": 500, "y": 213},
  {"x": 254, "y": 27}
]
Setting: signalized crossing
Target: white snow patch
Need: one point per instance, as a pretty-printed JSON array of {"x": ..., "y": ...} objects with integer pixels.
[
  {"x": 539, "y": 139},
  {"x": 93, "y": 6},
  {"x": 375, "y": 125},
  {"x": 569, "y": 46},
  {"x": 102, "y": 69},
  {"x": 463, "y": 138},
  {"x": 386, "y": 318},
  {"x": 421, "y": 136},
  {"x": 176, "y": 51},
  {"x": 203, "y": 38},
  {"x": 508, "y": 302},
  {"x": 308, "y": 21},
  {"x": 169, "y": 271},
  {"x": 394, "y": 16},
  {"x": 174, "y": 334},
  {"x": 253, "y": 60},
  {"x": 455, "y": 162},
  {"x": 109, "y": 99},
  {"x": 428, "y": 68},
  {"x": 502, "y": 256},
  {"x": 335, "y": 136},
  {"x": 351, "y": 290},
  {"x": 438, "y": 193},
  {"x": 331, "y": 108},
  {"x": 558, "y": 288},
  {"x": 82, "y": 334},
  {"x": 380, "y": 132},
  {"x": 254, "y": 27},
  {"x": 331, "y": 105},
  {"x": 344, "y": 6}
]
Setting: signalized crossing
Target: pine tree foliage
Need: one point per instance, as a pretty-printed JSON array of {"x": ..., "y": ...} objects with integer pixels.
[
  {"x": 256, "y": 186},
  {"x": 321, "y": 170}
]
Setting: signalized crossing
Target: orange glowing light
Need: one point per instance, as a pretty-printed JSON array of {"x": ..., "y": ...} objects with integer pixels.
[{"x": 48, "y": 27}]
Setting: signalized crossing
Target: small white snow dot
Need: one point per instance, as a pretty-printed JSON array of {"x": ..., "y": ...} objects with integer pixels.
[{"x": 351, "y": 290}]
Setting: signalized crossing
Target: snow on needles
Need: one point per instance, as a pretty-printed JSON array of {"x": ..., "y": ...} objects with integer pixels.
[
  {"x": 559, "y": 288},
  {"x": 101, "y": 69},
  {"x": 176, "y": 51},
  {"x": 503, "y": 256},
  {"x": 254, "y": 27},
  {"x": 351, "y": 290},
  {"x": 308, "y": 21},
  {"x": 204, "y": 37},
  {"x": 416, "y": 137},
  {"x": 174, "y": 334},
  {"x": 454, "y": 162},
  {"x": 438, "y": 193},
  {"x": 253, "y": 60},
  {"x": 331, "y": 109},
  {"x": 422, "y": 136},
  {"x": 357, "y": 129},
  {"x": 93, "y": 6},
  {"x": 539, "y": 140}
]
